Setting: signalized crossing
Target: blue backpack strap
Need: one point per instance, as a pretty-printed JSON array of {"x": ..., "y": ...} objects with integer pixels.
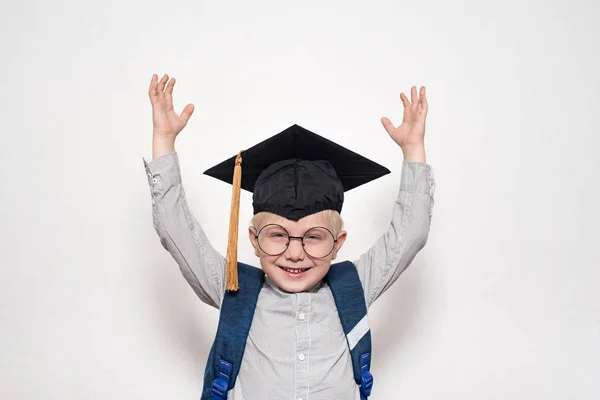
[
  {"x": 344, "y": 282},
  {"x": 237, "y": 312}
]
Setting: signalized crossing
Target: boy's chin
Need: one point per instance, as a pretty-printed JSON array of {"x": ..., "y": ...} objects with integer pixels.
[{"x": 293, "y": 287}]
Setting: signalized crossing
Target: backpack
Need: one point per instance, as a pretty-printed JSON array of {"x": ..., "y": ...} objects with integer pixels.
[{"x": 237, "y": 311}]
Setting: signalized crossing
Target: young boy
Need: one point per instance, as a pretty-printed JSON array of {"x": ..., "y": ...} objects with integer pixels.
[{"x": 296, "y": 347}]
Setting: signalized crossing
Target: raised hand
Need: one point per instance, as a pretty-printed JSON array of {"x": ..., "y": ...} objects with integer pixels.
[
  {"x": 411, "y": 133},
  {"x": 167, "y": 123}
]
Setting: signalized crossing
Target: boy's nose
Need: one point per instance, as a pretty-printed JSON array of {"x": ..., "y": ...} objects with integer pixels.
[{"x": 294, "y": 251}]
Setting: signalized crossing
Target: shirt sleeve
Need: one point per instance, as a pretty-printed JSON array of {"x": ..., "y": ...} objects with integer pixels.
[
  {"x": 407, "y": 234},
  {"x": 180, "y": 233}
]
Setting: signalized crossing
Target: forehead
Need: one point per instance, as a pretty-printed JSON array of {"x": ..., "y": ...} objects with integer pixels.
[{"x": 303, "y": 224}]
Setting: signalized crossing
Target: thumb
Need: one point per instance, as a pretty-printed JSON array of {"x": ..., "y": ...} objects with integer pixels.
[
  {"x": 387, "y": 124},
  {"x": 187, "y": 112}
]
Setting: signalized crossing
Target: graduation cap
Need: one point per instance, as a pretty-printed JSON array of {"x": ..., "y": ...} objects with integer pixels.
[{"x": 293, "y": 174}]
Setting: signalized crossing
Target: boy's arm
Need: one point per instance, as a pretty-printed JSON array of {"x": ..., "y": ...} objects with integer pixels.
[
  {"x": 407, "y": 234},
  {"x": 379, "y": 267},
  {"x": 179, "y": 231}
]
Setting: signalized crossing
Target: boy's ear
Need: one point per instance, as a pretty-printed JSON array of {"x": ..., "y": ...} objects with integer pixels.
[
  {"x": 338, "y": 245},
  {"x": 252, "y": 236}
]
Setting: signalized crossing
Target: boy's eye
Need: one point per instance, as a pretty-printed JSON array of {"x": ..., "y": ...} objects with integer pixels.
[{"x": 276, "y": 234}]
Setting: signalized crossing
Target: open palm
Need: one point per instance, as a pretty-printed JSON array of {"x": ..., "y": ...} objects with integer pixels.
[
  {"x": 164, "y": 118},
  {"x": 412, "y": 130}
]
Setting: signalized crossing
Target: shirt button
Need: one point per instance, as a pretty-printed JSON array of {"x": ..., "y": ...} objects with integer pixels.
[
  {"x": 301, "y": 357},
  {"x": 149, "y": 175},
  {"x": 154, "y": 180},
  {"x": 301, "y": 316}
]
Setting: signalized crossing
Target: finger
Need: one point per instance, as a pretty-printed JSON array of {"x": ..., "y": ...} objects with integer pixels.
[
  {"x": 387, "y": 124},
  {"x": 423, "y": 99},
  {"x": 413, "y": 95},
  {"x": 187, "y": 112},
  {"x": 404, "y": 99},
  {"x": 152, "y": 87},
  {"x": 161, "y": 84},
  {"x": 169, "y": 89},
  {"x": 169, "y": 94}
]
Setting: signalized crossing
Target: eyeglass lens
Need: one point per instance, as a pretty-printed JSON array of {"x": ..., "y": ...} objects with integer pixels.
[{"x": 318, "y": 242}]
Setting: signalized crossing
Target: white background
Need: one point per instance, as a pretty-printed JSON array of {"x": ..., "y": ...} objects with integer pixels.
[{"x": 502, "y": 303}]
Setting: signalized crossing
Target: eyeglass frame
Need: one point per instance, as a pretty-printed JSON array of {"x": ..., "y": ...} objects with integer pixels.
[{"x": 287, "y": 246}]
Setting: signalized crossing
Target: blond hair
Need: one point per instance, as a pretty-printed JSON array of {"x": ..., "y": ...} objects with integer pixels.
[{"x": 331, "y": 218}]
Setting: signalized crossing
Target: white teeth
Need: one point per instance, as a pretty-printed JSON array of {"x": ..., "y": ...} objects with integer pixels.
[{"x": 293, "y": 271}]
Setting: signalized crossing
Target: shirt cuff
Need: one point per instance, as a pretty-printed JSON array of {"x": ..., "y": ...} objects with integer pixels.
[
  {"x": 417, "y": 177},
  {"x": 162, "y": 172}
]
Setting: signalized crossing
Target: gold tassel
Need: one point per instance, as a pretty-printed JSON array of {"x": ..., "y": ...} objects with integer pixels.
[{"x": 232, "y": 270}]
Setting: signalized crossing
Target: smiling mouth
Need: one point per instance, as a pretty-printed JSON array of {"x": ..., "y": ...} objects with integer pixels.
[{"x": 295, "y": 271}]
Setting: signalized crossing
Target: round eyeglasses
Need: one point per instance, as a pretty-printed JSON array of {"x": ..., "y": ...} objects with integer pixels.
[{"x": 317, "y": 242}]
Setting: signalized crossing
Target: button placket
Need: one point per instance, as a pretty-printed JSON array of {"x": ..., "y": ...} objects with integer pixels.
[{"x": 301, "y": 370}]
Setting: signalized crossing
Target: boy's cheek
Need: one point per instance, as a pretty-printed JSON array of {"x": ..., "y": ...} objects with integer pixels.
[{"x": 269, "y": 267}]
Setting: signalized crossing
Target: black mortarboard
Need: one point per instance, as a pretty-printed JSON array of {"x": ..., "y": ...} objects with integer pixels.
[{"x": 293, "y": 174}]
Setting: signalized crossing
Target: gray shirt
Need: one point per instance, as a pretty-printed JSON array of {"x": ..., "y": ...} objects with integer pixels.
[{"x": 296, "y": 348}]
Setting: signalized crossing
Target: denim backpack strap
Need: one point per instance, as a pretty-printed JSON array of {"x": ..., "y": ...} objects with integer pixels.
[
  {"x": 237, "y": 312},
  {"x": 349, "y": 297}
]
